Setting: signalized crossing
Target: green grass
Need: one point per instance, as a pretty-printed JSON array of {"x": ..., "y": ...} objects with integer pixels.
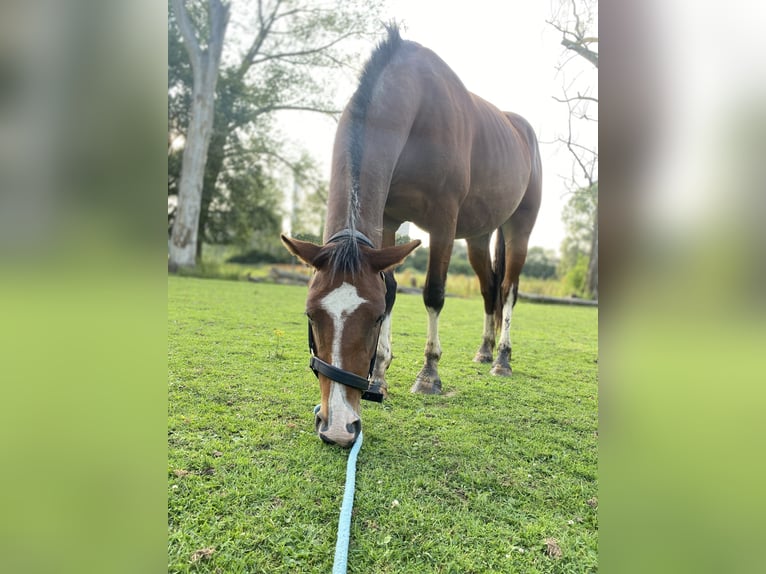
[{"x": 482, "y": 474}]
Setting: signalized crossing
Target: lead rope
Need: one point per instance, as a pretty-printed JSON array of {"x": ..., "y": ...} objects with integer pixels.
[{"x": 340, "y": 564}]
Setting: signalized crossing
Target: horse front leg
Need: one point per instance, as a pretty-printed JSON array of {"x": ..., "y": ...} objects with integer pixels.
[
  {"x": 428, "y": 381},
  {"x": 384, "y": 355}
]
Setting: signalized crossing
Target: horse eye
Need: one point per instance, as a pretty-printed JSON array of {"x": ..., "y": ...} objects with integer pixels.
[{"x": 379, "y": 320}]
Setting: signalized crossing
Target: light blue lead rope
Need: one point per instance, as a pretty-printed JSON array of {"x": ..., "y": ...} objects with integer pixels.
[
  {"x": 344, "y": 522},
  {"x": 340, "y": 564}
]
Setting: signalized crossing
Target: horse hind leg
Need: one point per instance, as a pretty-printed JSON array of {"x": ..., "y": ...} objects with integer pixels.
[
  {"x": 478, "y": 256},
  {"x": 517, "y": 239},
  {"x": 502, "y": 364}
]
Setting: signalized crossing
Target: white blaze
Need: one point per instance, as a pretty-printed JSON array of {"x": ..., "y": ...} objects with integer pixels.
[{"x": 340, "y": 304}]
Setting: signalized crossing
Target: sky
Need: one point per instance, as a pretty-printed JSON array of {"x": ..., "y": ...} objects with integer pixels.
[{"x": 505, "y": 52}]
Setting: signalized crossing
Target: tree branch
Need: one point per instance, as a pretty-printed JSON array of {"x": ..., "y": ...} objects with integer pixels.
[
  {"x": 260, "y": 38},
  {"x": 293, "y": 165},
  {"x": 219, "y": 19},
  {"x": 572, "y": 144},
  {"x": 587, "y": 173},
  {"x": 306, "y": 52},
  {"x": 575, "y": 98},
  {"x": 187, "y": 33},
  {"x": 585, "y": 52},
  {"x": 293, "y": 107}
]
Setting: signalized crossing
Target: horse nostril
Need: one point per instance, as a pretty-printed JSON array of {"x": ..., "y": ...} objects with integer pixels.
[
  {"x": 354, "y": 428},
  {"x": 320, "y": 425}
]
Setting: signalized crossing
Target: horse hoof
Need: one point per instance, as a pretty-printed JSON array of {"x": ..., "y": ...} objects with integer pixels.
[
  {"x": 482, "y": 358},
  {"x": 501, "y": 370},
  {"x": 427, "y": 387}
]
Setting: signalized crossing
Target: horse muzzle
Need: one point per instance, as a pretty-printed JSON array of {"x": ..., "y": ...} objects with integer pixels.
[{"x": 341, "y": 431}]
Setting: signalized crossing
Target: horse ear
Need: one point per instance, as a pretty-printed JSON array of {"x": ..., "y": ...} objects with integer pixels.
[
  {"x": 303, "y": 250},
  {"x": 384, "y": 259}
]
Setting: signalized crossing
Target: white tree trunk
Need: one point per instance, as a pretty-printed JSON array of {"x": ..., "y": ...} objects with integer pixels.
[
  {"x": 183, "y": 240},
  {"x": 182, "y": 248}
]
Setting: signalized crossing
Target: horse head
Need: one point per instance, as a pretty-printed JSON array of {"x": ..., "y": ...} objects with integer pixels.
[{"x": 345, "y": 307}]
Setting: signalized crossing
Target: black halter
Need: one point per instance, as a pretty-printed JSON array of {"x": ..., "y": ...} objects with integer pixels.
[
  {"x": 358, "y": 235},
  {"x": 334, "y": 373}
]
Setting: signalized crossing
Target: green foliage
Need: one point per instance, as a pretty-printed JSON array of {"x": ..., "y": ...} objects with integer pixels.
[
  {"x": 246, "y": 203},
  {"x": 541, "y": 263},
  {"x": 458, "y": 263},
  {"x": 256, "y": 256},
  {"x": 576, "y": 279},
  {"x": 418, "y": 261},
  {"x": 579, "y": 217},
  {"x": 310, "y": 206},
  {"x": 309, "y": 237},
  {"x": 282, "y": 63},
  {"x": 482, "y": 474},
  {"x": 265, "y": 247}
]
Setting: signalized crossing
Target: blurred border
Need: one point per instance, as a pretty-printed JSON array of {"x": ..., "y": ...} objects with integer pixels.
[
  {"x": 83, "y": 290},
  {"x": 682, "y": 331}
]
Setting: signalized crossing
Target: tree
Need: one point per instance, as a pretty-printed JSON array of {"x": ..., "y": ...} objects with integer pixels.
[
  {"x": 540, "y": 263},
  {"x": 577, "y": 249},
  {"x": 282, "y": 61},
  {"x": 574, "y": 20},
  {"x": 309, "y": 209},
  {"x": 204, "y": 64}
]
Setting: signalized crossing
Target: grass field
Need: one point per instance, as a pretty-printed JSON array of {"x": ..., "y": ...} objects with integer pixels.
[{"x": 495, "y": 475}]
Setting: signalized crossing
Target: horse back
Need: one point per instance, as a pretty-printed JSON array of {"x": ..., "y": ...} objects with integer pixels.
[{"x": 432, "y": 150}]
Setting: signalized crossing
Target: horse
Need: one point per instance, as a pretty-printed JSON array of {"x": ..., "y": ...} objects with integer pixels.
[{"x": 413, "y": 144}]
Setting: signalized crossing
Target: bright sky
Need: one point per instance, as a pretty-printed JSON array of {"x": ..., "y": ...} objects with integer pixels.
[{"x": 504, "y": 51}]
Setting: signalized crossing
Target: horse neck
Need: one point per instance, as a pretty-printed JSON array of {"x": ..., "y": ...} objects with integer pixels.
[
  {"x": 388, "y": 124},
  {"x": 341, "y": 215}
]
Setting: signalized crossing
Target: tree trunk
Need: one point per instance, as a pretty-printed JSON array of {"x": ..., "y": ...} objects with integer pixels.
[
  {"x": 213, "y": 167},
  {"x": 183, "y": 241}
]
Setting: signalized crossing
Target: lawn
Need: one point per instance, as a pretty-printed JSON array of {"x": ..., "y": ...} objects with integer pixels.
[{"x": 495, "y": 475}]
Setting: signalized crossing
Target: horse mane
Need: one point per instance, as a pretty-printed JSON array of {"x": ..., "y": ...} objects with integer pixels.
[{"x": 346, "y": 256}]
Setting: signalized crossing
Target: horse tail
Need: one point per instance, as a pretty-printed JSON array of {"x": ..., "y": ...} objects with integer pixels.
[{"x": 498, "y": 271}]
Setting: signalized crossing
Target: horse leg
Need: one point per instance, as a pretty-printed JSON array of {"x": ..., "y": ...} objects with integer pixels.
[
  {"x": 478, "y": 255},
  {"x": 516, "y": 231},
  {"x": 383, "y": 354},
  {"x": 440, "y": 250}
]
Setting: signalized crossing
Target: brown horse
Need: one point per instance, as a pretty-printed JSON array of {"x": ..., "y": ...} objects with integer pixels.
[{"x": 415, "y": 145}]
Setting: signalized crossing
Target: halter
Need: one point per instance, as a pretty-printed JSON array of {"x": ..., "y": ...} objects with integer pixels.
[
  {"x": 358, "y": 235},
  {"x": 334, "y": 373}
]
